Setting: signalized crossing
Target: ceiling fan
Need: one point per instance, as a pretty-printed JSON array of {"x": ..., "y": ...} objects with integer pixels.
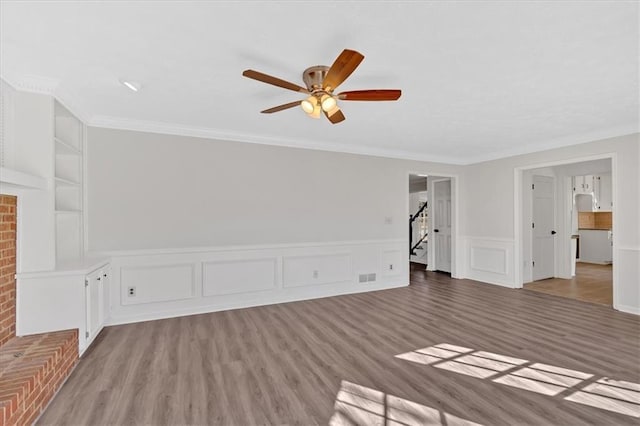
[{"x": 321, "y": 81}]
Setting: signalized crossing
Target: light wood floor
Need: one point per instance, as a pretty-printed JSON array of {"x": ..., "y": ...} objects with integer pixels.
[
  {"x": 334, "y": 360},
  {"x": 592, "y": 283}
]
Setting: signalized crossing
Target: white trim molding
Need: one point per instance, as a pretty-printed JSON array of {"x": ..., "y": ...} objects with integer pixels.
[
  {"x": 626, "y": 269},
  {"x": 121, "y": 123},
  {"x": 222, "y": 278},
  {"x": 489, "y": 260}
]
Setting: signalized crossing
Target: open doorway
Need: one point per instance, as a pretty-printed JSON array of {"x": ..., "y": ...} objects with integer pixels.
[
  {"x": 431, "y": 224},
  {"x": 567, "y": 230}
]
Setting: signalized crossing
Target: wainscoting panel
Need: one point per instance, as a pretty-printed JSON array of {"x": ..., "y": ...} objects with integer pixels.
[
  {"x": 626, "y": 294},
  {"x": 316, "y": 269},
  {"x": 391, "y": 263},
  {"x": 156, "y": 283},
  {"x": 238, "y": 276},
  {"x": 183, "y": 281},
  {"x": 489, "y": 260}
]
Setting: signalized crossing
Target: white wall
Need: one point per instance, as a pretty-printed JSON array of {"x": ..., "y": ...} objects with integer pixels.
[
  {"x": 197, "y": 225},
  {"x": 148, "y": 191},
  {"x": 487, "y": 216}
]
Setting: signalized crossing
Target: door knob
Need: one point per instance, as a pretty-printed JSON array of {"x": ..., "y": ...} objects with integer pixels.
[{"x": 553, "y": 232}]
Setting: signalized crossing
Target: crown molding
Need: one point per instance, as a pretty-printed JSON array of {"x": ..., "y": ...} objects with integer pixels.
[
  {"x": 31, "y": 83},
  {"x": 51, "y": 87},
  {"x": 121, "y": 123},
  {"x": 558, "y": 143}
]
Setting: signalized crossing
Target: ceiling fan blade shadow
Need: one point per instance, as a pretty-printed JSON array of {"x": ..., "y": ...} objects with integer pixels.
[
  {"x": 371, "y": 95},
  {"x": 281, "y": 107},
  {"x": 342, "y": 68},
  {"x": 336, "y": 116},
  {"x": 265, "y": 78}
]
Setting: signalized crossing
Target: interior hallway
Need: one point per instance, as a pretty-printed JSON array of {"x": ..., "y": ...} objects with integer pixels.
[{"x": 592, "y": 283}]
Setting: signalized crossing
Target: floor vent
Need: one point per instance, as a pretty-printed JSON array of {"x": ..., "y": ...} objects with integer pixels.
[{"x": 365, "y": 278}]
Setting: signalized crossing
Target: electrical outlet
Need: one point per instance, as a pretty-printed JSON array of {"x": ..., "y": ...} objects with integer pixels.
[
  {"x": 315, "y": 274},
  {"x": 131, "y": 291},
  {"x": 391, "y": 266}
]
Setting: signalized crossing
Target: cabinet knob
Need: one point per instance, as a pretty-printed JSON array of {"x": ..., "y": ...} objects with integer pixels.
[
  {"x": 98, "y": 278},
  {"x": 105, "y": 275}
]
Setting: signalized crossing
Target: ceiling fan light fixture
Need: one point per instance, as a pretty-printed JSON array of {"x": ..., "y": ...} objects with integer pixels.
[
  {"x": 309, "y": 104},
  {"x": 328, "y": 103},
  {"x": 316, "y": 111}
]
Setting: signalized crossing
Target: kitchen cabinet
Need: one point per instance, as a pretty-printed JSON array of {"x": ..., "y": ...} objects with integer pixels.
[
  {"x": 596, "y": 246},
  {"x": 583, "y": 184},
  {"x": 603, "y": 193}
]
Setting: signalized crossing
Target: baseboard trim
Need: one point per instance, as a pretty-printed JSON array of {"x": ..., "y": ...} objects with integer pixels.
[{"x": 628, "y": 309}]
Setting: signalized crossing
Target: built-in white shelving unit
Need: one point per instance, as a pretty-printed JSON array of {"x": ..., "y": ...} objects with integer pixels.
[{"x": 68, "y": 143}]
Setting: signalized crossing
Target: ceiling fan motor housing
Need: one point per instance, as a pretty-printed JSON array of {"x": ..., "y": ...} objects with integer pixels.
[{"x": 314, "y": 76}]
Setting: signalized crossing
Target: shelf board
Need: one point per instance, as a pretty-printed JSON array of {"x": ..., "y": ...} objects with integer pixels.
[
  {"x": 11, "y": 178},
  {"x": 65, "y": 148},
  {"x": 66, "y": 182}
]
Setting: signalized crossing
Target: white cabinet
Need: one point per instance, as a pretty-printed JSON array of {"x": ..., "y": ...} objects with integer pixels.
[
  {"x": 64, "y": 299},
  {"x": 583, "y": 184},
  {"x": 96, "y": 291},
  {"x": 603, "y": 193},
  {"x": 596, "y": 246}
]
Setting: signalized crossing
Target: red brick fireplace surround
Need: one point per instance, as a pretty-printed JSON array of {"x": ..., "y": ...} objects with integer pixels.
[{"x": 32, "y": 368}]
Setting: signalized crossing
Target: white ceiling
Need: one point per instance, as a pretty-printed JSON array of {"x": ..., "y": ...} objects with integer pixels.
[{"x": 480, "y": 80}]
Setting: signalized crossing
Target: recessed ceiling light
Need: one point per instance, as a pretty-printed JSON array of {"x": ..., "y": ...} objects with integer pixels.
[{"x": 131, "y": 85}]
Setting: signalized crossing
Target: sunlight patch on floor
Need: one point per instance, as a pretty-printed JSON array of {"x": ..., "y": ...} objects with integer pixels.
[
  {"x": 607, "y": 394},
  {"x": 359, "y": 405}
]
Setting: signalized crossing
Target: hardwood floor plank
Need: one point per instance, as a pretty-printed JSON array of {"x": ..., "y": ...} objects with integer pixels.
[{"x": 287, "y": 363}]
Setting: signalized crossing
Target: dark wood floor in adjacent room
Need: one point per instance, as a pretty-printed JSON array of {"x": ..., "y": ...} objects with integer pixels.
[{"x": 468, "y": 352}]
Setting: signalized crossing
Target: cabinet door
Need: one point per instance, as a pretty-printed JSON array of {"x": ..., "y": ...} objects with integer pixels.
[
  {"x": 588, "y": 183},
  {"x": 106, "y": 273},
  {"x": 94, "y": 306},
  {"x": 604, "y": 194},
  {"x": 578, "y": 184}
]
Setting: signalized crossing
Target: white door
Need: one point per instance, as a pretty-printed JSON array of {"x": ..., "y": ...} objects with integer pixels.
[
  {"x": 442, "y": 225},
  {"x": 543, "y": 228}
]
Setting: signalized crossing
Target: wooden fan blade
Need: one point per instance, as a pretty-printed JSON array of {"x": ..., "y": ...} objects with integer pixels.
[
  {"x": 336, "y": 116},
  {"x": 256, "y": 75},
  {"x": 281, "y": 107},
  {"x": 342, "y": 68},
  {"x": 370, "y": 95}
]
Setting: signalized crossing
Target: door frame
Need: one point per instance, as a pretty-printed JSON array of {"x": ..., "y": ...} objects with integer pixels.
[
  {"x": 456, "y": 247},
  {"x": 563, "y": 241}
]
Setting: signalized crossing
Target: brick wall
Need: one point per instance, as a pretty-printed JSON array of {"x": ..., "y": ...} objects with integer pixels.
[{"x": 7, "y": 268}]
